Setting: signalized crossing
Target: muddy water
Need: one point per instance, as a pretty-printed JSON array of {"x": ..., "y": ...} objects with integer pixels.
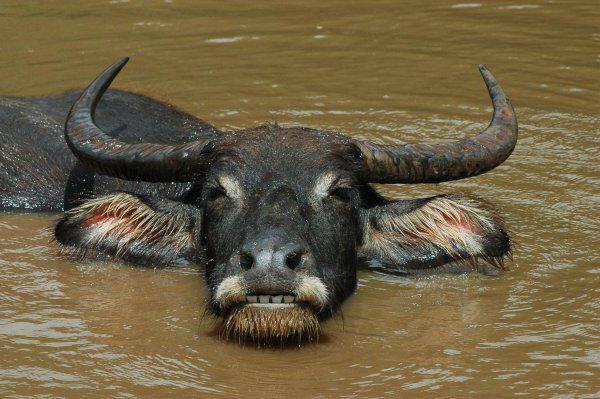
[{"x": 385, "y": 70}]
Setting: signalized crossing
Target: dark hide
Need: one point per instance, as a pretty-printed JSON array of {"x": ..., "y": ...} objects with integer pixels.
[
  {"x": 277, "y": 198},
  {"x": 35, "y": 161}
]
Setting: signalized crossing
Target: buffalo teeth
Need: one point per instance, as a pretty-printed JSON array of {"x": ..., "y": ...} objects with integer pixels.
[{"x": 270, "y": 298}]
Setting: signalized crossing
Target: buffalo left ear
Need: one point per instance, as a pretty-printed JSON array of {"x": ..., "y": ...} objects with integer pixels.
[
  {"x": 452, "y": 231},
  {"x": 137, "y": 229}
]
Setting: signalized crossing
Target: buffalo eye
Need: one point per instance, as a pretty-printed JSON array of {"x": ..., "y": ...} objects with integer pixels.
[
  {"x": 224, "y": 187},
  {"x": 343, "y": 194},
  {"x": 215, "y": 193}
]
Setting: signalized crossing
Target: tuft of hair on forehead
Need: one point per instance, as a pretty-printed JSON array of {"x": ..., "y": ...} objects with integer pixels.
[{"x": 267, "y": 326}]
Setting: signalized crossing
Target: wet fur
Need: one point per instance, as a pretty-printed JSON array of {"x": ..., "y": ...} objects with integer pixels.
[
  {"x": 129, "y": 227},
  {"x": 271, "y": 326},
  {"x": 230, "y": 291},
  {"x": 428, "y": 233}
]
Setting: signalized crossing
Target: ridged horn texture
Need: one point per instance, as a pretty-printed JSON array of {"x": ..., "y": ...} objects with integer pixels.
[
  {"x": 112, "y": 157},
  {"x": 434, "y": 163}
]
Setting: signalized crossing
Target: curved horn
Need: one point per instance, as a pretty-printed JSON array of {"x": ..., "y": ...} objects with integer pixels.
[
  {"x": 112, "y": 157},
  {"x": 434, "y": 163}
]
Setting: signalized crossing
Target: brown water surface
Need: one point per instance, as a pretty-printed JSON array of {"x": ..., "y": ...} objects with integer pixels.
[{"x": 385, "y": 70}]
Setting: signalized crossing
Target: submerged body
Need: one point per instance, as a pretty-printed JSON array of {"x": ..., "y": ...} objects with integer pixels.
[
  {"x": 35, "y": 161},
  {"x": 282, "y": 215}
]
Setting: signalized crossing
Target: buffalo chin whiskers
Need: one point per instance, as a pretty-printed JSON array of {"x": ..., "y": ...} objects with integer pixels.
[
  {"x": 269, "y": 324},
  {"x": 264, "y": 318}
]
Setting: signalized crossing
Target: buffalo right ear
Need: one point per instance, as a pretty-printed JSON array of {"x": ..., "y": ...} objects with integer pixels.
[{"x": 132, "y": 228}]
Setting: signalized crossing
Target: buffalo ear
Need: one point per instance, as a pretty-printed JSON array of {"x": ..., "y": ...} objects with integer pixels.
[
  {"x": 452, "y": 231},
  {"x": 132, "y": 228}
]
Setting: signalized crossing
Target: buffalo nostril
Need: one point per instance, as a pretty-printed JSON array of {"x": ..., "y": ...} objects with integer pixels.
[
  {"x": 294, "y": 260},
  {"x": 246, "y": 261}
]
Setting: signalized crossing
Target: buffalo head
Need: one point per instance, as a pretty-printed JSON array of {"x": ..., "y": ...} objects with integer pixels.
[{"x": 281, "y": 216}]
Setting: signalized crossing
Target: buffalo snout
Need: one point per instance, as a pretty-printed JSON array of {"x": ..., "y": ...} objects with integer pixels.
[{"x": 270, "y": 263}]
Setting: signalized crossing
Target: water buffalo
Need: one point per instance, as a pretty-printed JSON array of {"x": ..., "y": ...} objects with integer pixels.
[{"x": 281, "y": 216}]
